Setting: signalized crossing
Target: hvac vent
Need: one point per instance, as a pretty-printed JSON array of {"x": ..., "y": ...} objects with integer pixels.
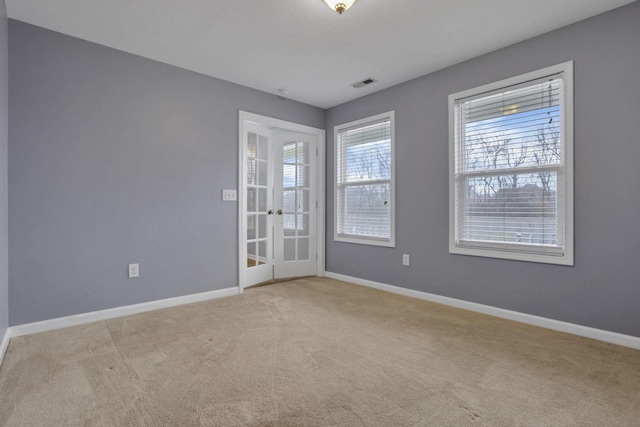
[{"x": 363, "y": 83}]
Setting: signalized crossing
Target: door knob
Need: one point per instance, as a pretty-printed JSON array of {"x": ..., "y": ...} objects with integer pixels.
[
  {"x": 279, "y": 211},
  {"x": 270, "y": 211}
]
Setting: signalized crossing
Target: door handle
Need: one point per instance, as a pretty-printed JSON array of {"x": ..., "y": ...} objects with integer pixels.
[
  {"x": 270, "y": 212},
  {"x": 279, "y": 211}
]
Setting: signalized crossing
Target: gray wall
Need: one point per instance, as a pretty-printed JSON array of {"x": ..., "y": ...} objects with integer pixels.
[
  {"x": 117, "y": 159},
  {"x": 4, "y": 101},
  {"x": 602, "y": 290}
]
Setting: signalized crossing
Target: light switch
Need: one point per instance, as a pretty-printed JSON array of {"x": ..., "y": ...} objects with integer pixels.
[{"x": 229, "y": 195}]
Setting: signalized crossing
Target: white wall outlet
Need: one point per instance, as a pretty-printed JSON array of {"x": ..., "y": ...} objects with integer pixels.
[
  {"x": 229, "y": 195},
  {"x": 134, "y": 270},
  {"x": 405, "y": 259}
]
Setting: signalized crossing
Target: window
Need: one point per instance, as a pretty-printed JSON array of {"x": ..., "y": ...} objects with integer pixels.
[
  {"x": 511, "y": 175},
  {"x": 365, "y": 181}
]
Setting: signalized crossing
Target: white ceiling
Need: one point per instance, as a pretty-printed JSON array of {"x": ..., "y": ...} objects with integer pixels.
[{"x": 302, "y": 45}]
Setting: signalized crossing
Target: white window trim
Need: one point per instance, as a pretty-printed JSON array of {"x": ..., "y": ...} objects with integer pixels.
[
  {"x": 391, "y": 242},
  {"x": 567, "y": 128}
]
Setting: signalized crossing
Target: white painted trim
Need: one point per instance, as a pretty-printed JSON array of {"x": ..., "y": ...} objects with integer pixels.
[
  {"x": 543, "y": 322},
  {"x": 4, "y": 344},
  {"x": 321, "y": 199},
  {"x": 242, "y": 161},
  {"x": 95, "y": 316}
]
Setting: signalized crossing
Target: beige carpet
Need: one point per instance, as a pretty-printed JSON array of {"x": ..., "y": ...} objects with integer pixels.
[{"x": 316, "y": 352}]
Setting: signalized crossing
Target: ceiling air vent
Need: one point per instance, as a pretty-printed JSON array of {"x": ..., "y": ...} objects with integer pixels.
[{"x": 363, "y": 83}]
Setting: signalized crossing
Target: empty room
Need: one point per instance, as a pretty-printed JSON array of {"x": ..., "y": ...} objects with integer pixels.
[{"x": 317, "y": 212}]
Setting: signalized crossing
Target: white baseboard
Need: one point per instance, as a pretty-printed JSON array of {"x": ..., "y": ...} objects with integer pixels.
[
  {"x": 94, "y": 316},
  {"x": 557, "y": 325},
  {"x": 4, "y": 344}
]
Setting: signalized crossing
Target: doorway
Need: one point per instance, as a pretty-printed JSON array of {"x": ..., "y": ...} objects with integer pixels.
[{"x": 281, "y": 200}]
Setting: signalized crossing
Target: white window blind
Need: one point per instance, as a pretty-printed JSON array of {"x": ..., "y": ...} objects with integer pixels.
[
  {"x": 510, "y": 169},
  {"x": 364, "y": 181}
]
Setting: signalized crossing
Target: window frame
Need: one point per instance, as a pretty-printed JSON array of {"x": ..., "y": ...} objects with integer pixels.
[
  {"x": 506, "y": 251},
  {"x": 365, "y": 240}
]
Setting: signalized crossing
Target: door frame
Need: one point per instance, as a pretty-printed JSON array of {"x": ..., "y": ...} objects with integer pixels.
[{"x": 274, "y": 124}]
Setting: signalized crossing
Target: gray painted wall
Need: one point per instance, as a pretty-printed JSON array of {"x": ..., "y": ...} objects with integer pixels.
[
  {"x": 4, "y": 104},
  {"x": 602, "y": 290},
  {"x": 117, "y": 159}
]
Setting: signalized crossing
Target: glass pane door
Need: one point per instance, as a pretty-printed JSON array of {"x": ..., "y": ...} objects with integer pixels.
[
  {"x": 258, "y": 222},
  {"x": 277, "y": 204},
  {"x": 295, "y": 203}
]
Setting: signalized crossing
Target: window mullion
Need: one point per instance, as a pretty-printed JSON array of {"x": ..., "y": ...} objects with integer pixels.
[
  {"x": 365, "y": 182},
  {"x": 512, "y": 171}
]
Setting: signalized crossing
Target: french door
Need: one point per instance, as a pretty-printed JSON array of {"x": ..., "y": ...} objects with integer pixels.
[
  {"x": 294, "y": 198},
  {"x": 278, "y": 203}
]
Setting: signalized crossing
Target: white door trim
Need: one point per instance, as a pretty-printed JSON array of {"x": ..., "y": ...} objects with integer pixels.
[{"x": 245, "y": 118}]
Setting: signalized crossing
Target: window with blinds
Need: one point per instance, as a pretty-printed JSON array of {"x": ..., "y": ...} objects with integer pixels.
[
  {"x": 364, "y": 181},
  {"x": 511, "y": 173}
]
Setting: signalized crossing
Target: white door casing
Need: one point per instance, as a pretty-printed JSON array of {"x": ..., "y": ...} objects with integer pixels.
[{"x": 281, "y": 200}]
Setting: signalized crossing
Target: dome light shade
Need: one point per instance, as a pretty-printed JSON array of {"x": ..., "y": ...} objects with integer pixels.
[{"x": 340, "y": 5}]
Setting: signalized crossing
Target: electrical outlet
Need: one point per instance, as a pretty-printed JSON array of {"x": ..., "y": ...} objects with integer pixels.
[
  {"x": 134, "y": 270},
  {"x": 229, "y": 195},
  {"x": 405, "y": 259}
]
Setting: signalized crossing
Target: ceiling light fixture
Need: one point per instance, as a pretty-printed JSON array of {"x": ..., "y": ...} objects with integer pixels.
[{"x": 340, "y": 5}]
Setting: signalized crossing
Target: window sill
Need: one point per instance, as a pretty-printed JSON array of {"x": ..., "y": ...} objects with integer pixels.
[
  {"x": 389, "y": 243},
  {"x": 566, "y": 259}
]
